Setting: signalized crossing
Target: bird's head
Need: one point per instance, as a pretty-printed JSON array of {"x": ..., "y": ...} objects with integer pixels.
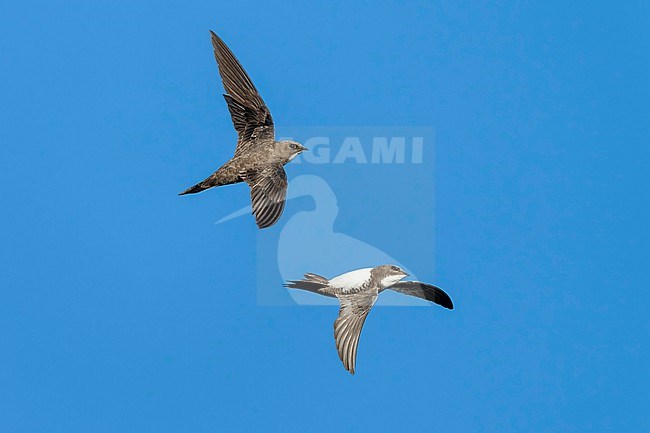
[
  {"x": 390, "y": 274},
  {"x": 289, "y": 149}
]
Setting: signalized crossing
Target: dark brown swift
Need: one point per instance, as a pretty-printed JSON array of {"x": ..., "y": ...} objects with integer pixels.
[{"x": 259, "y": 158}]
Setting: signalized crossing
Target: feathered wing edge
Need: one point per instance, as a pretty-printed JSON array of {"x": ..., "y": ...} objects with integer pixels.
[
  {"x": 348, "y": 325},
  {"x": 268, "y": 193},
  {"x": 250, "y": 115}
]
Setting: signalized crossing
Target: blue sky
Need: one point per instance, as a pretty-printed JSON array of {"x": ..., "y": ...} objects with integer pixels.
[{"x": 126, "y": 309}]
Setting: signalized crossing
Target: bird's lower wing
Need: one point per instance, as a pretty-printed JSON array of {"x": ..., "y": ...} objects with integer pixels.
[
  {"x": 268, "y": 193},
  {"x": 347, "y": 327},
  {"x": 424, "y": 291}
]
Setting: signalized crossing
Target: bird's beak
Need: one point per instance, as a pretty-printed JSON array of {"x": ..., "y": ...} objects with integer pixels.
[
  {"x": 406, "y": 275},
  {"x": 303, "y": 148}
]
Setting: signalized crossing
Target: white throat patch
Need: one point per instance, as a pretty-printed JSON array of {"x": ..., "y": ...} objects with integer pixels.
[{"x": 390, "y": 280}]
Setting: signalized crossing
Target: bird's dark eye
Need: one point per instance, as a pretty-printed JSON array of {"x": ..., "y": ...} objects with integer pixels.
[
  {"x": 293, "y": 145},
  {"x": 395, "y": 268}
]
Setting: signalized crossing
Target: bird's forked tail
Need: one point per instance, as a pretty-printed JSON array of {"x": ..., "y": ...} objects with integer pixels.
[
  {"x": 201, "y": 186},
  {"x": 312, "y": 283}
]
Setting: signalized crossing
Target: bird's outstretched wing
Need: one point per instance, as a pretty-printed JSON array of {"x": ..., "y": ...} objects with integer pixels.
[
  {"x": 268, "y": 193},
  {"x": 250, "y": 115},
  {"x": 424, "y": 291},
  {"x": 347, "y": 327}
]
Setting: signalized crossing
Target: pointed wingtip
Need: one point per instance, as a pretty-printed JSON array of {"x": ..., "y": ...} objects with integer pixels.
[
  {"x": 445, "y": 300},
  {"x": 215, "y": 38},
  {"x": 350, "y": 369}
]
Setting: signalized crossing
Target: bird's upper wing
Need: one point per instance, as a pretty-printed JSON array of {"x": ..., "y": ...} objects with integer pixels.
[
  {"x": 268, "y": 192},
  {"x": 347, "y": 327},
  {"x": 424, "y": 291},
  {"x": 250, "y": 115}
]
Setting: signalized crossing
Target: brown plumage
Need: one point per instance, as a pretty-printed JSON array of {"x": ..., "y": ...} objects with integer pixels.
[{"x": 258, "y": 158}]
